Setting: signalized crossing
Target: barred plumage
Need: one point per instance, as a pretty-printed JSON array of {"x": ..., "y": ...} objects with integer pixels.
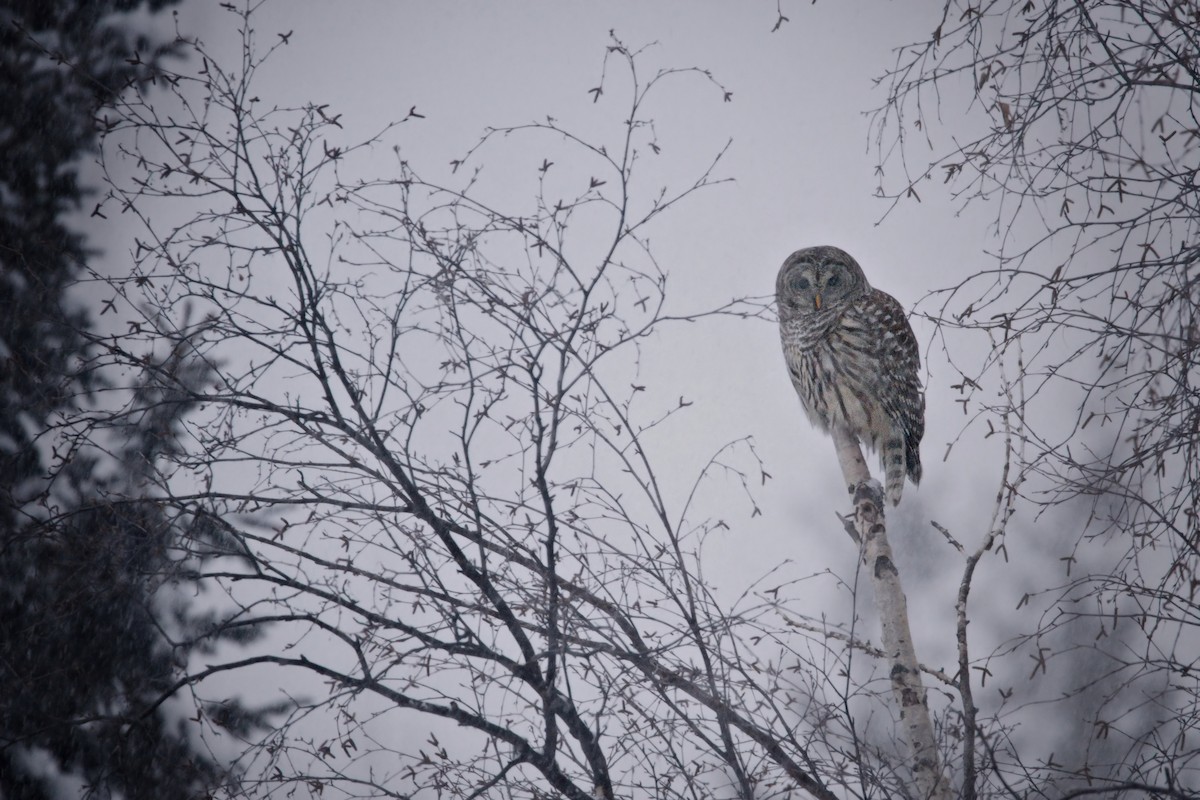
[{"x": 853, "y": 358}]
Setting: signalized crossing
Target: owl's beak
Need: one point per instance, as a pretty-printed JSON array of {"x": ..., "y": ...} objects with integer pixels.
[{"x": 817, "y": 301}]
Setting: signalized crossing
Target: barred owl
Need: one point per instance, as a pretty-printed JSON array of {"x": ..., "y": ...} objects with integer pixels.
[{"x": 853, "y": 358}]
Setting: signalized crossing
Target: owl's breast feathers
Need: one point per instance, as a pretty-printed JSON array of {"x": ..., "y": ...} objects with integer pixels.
[{"x": 858, "y": 367}]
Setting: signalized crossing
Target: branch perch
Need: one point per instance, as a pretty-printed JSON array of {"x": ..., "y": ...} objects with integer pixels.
[{"x": 869, "y": 531}]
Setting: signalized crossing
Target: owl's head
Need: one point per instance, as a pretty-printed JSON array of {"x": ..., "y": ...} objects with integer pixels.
[{"x": 818, "y": 279}]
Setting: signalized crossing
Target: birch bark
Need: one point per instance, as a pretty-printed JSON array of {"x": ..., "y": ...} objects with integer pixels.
[{"x": 867, "y": 524}]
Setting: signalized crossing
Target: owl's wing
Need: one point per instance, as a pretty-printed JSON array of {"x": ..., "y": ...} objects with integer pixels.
[{"x": 900, "y": 357}]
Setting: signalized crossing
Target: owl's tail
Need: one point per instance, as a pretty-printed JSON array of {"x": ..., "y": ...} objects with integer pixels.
[
  {"x": 892, "y": 457},
  {"x": 898, "y": 458}
]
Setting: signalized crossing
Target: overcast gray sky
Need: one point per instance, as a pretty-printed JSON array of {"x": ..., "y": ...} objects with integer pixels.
[{"x": 804, "y": 174}]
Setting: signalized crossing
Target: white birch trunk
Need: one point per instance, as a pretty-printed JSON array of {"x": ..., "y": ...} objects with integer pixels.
[{"x": 876, "y": 553}]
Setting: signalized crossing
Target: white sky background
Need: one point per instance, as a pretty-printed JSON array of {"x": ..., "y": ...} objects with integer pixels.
[{"x": 804, "y": 175}]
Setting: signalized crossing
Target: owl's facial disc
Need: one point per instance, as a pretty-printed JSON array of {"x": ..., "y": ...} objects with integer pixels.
[
  {"x": 831, "y": 284},
  {"x": 802, "y": 281}
]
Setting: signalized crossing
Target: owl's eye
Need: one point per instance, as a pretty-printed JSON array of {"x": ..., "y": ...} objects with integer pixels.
[
  {"x": 800, "y": 283},
  {"x": 834, "y": 280}
]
